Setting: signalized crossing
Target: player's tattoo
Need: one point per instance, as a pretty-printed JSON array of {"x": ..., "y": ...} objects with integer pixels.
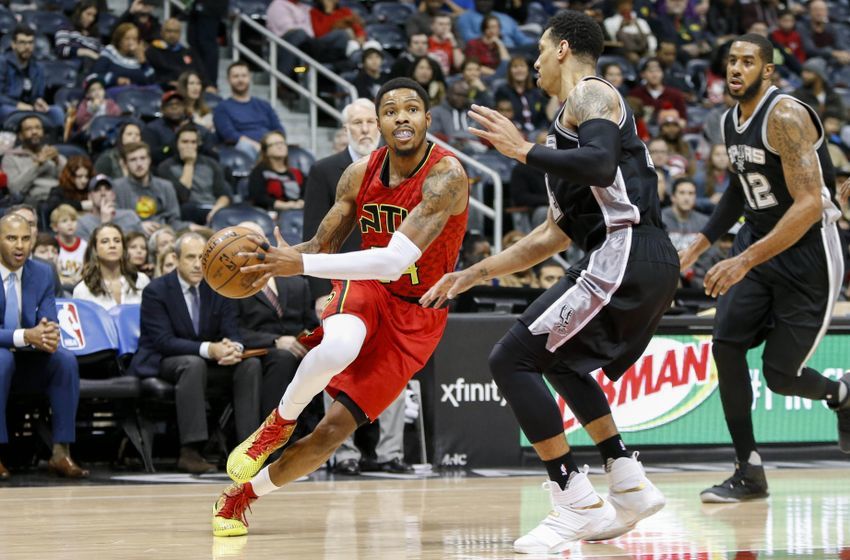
[
  {"x": 337, "y": 224},
  {"x": 792, "y": 134},
  {"x": 592, "y": 99},
  {"x": 445, "y": 185}
]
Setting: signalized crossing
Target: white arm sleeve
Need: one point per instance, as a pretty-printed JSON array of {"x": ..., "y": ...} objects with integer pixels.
[{"x": 386, "y": 263}]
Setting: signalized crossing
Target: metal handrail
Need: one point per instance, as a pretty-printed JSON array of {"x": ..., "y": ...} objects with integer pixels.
[{"x": 310, "y": 94}]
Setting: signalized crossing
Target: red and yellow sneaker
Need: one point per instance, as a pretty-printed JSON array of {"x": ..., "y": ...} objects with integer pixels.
[
  {"x": 229, "y": 511},
  {"x": 247, "y": 459}
]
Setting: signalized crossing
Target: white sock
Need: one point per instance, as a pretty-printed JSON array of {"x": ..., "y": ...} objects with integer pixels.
[
  {"x": 842, "y": 391},
  {"x": 262, "y": 483},
  {"x": 754, "y": 459},
  {"x": 341, "y": 343}
]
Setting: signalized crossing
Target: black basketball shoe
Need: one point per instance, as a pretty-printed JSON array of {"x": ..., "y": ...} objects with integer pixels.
[
  {"x": 842, "y": 410},
  {"x": 748, "y": 483}
]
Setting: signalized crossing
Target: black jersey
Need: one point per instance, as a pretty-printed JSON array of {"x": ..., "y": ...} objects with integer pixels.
[
  {"x": 759, "y": 167},
  {"x": 587, "y": 212}
]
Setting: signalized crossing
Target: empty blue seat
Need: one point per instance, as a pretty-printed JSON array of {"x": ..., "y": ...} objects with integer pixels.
[
  {"x": 237, "y": 162},
  {"x": 392, "y": 12},
  {"x": 69, "y": 150},
  {"x": 301, "y": 159},
  {"x": 391, "y": 36},
  {"x": 237, "y": 213},
  {"x": 45, "y": 22},
  {"x": 143, "y": 103}
]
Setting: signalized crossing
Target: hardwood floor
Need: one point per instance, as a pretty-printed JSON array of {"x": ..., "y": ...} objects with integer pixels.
[{"x": 807, "y": 516}]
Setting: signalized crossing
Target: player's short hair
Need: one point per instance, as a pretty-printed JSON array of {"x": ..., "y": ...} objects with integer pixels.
[
  {"x": 764, "y": 45},
  {"x": 579, "y": 30},
  {"x": 402, "y": 83}
]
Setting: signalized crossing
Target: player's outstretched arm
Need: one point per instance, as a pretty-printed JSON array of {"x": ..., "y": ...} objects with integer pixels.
[
  {"x": 337, "y": 224},
  {"x": 543, "y": 242}
]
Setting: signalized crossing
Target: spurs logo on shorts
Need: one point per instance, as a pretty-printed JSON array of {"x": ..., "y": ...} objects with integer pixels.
[{"x": 565, "y": 315}]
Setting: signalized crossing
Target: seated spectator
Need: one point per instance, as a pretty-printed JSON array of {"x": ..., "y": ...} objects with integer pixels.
[
  {"x": 469, "y": 25},
  {"x": 73, "y": 185},
  {"x": 71, "y": 247},
  {"x": 30, "y": 320},
  {"x": 675, "y": 74},
  {"x": 152, "y": 198},
  {"x": 123, "y": 62},
  {"x": 191, "y": 87},
  {"x": 273, "y": 184},
  {"x": 161, "y": 240},
  {"x": 506, "y": 108},
  {"x": 529, "y": 102},
  {"x": 94, "y": 104},
  {"x": 449, "y": 120},
  {"x": 681, "y": 221},
  {"x": 168, "y": 57},
  {"x": 528, "y": 190},
  {"x": 423, "y": 20},
  {"x": 631, "y": 32},
  {"x": 674, "y": 23},
  {"x": 46, "y": 248},
  {"x": 198, "y": 179},
  {"x": 659, "y": 152},
  {"x": 104, "y": 211},
  {"x": 327, "y": 16},
  {"x": 613, "y": 74},
  {"x": 242, "y": 120},
  {"x": 787, "y": 65},
  {"x": 291, "y": 21},
  {"x": 636, "y": 105},
  {"x": 787, "y": 36},
  {"x": 82, "y": 40},
  {"x": 136, "y": 244},
  {"x": 653, "y": 93},
  {"x": 488, "y": 49},
  {"x": 713, "y": 178},
  {"x": 479, "y": 93},
  {"x": 443, "y": 46},
  {"x": 523, "y": 278},
  {"x": 32, "y": 168},
  {"x": 425, "y": 75},
  {"x": 474, "y": 249},
  {"x": 711, "y": 126},
  {"x": 417, "y": 47},
  {"x": 161, "y": 134},
  {"x": 110, "y": 163},
  {"x": 140, "y": 14},
  {"x": 190, "y": 337},
  {"x": 549, "y": 272},
  {"x": 671, "y": 129},
  {"x": 108, "y": 277},
  {"x": 166, "y": 262},
  {"x": 820, "y": 37},
  {"x": 816, "y": 91},
  {"x": 371, "y": 77},
  {"x": 273, "y": 318},
  {"x": 22, "y": 80}
]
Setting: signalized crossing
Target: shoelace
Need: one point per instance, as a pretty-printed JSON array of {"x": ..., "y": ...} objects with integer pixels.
[
  {"x": 269, "y": 436},
  {"x": 235, "y": 505}
]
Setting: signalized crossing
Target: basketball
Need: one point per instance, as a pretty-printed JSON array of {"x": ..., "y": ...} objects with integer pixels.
[{"x": 221, "y": 263}]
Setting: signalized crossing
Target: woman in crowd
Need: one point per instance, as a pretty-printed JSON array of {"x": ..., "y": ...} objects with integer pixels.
[
  {"x": 81, "y": 41},
  {"x": 191, "y": 87},
  {"x": 273, "y": 184},
  {"x": 166, "y": 261},
  {"x": 426, "y": 72},
  {"x": 73, "y": 185},
  {"x": 110, "y": 163},
  {"x": 528, "y": 101},
  {"x": 94, "y": 104},
  {"x": 712, "y": 179},
  {"x": 489, "y": 49},
  {"x": 123, "y": 63},
  {"x": 137, "y": 251},
  {"x": 108, "y": 277},
  {"x": 159, "y": 241}
]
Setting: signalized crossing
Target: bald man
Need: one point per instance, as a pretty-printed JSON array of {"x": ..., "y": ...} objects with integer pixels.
[{"x": 31, "y": 359}]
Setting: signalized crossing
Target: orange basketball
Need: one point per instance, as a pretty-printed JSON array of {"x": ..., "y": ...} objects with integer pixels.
[{"x": 221, "y": 265}]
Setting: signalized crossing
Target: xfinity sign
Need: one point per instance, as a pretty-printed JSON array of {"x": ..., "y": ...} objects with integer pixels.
[{"x": 462, "y": 391}]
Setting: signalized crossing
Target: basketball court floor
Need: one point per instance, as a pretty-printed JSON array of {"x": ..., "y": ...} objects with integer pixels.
[{"x": 460, "y": 516}]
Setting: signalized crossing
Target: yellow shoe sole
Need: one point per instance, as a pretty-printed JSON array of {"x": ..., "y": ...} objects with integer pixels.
[{"x": 223, "y": 527}]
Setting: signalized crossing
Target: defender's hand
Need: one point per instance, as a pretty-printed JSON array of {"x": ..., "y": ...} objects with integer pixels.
[
  {"x": 449, "y": 287},
  {"x": 724, "y": 275},
  {"x": 500, "y": 132}
]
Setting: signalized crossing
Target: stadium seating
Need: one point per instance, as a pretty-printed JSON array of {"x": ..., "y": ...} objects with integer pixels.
[
  {"x": 301, "y": 159},
  {"x": 142, "y": 103},
  {"x": 237, "y": 213}
]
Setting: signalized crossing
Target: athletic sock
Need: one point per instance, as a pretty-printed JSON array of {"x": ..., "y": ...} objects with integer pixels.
[
  {"x": 836, "y": 392},
  {"x": 754, "y": 459},
  {"x": 560, "y": 469},
  {"x": 612, "y": 449},
  {"x": 262, "y": 483}
]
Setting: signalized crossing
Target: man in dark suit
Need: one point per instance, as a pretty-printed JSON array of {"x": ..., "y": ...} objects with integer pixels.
[
  {"x": 360, "y": 121},
  {"x": 190, "y": 337},
  {"x": 31, "y": 360},
  {"x": 273, "y": 318}
]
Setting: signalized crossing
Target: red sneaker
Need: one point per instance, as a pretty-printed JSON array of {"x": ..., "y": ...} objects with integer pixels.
[
  {"x": 229, "y": 510},
  {"x": 247, "y": 459}
]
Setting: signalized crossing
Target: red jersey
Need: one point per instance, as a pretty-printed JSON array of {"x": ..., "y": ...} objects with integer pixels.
[{"x": 380, "y": 210}]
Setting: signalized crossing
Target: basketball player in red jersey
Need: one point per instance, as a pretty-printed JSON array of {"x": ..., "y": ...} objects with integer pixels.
[{"x": 409, "y": 200}]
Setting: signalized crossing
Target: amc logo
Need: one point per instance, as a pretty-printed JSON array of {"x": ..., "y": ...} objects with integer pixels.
[
  {"x": 70, "y": 327},
  {"x": 454, "y": 460}
]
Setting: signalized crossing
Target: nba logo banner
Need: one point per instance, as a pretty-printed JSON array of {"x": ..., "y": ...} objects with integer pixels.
[{"x": 70, "y": 326}]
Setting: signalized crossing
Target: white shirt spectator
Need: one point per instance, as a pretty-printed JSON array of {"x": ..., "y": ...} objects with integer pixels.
[{"x": 81, "y": 291}]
